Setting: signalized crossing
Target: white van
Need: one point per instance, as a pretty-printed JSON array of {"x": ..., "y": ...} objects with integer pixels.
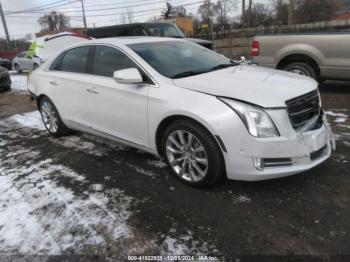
[{"x": 43, "y": 48}]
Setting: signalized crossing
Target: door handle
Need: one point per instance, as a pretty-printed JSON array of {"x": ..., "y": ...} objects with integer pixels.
[
  {"x": 54, "y": 83},
  {"x": 92, "y": 90}
]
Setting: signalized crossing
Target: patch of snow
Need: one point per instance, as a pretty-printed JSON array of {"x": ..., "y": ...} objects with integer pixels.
[
  {"x": 77, "y": 144},
  {"x": 97, "y": 187},
  {"x": 31, "y": 119},
  {"x": 340, "y": 120},
  {"x": 344, "y": 126},
  {"x": 19, "y": 82},
  {"x": 157, "y": 163},
  {"x": 47, "y": 218},
  {"x": 334, "y": 114},
  {"x": 143, "y": 171},
  {"x": 174, "y": 247},
  {"x": 346, "y": 143},
  {"x": 241, "y": 199}
]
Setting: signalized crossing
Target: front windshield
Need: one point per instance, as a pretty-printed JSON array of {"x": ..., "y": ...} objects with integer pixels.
[
  {"x": 164, "y": 30},
  {"x": 176, "y": 59}
]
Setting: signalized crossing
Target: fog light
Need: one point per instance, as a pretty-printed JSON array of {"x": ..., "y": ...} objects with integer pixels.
[{"x": 258, "y": 163}]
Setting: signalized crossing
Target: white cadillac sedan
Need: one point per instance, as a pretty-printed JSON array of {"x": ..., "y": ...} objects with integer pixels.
[{"x": 208, "y": 117}]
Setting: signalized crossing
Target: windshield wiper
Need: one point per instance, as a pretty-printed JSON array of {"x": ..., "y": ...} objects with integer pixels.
[
  {"x": 193, "y": 73},
  {"x": 176, "y": 36},
  {"x": 222, "y": 66},
  {"x": 187, "y": 73}
]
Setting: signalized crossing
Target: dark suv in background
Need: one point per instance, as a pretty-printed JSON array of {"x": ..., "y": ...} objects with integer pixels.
[{"x": 145, "y": 29}]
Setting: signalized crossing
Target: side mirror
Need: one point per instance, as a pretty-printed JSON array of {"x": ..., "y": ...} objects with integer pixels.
[{"x": 128, "y": 76}]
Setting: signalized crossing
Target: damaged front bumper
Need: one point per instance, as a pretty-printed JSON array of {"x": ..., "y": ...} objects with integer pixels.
[{"x": 293, "y": 153}]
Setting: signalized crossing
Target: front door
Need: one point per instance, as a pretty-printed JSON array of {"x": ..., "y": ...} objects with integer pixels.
[{"x": 117, "y": 109}]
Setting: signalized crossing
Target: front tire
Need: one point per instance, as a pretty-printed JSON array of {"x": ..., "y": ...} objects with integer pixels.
[
  {"x": 52, "y": 119},
  {"x": 192, "y": 154},
  {"x": 35, "y": 66},
  {"x": 301, "y": 68}
]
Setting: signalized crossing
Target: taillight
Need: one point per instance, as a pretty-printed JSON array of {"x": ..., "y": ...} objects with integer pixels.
[{"x": 255, "y": 48}]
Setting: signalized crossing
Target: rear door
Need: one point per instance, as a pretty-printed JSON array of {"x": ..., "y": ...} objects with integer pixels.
[{"x": 67, "y": 83}]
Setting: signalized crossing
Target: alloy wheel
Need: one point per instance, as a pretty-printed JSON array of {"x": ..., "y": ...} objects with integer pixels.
[
  {"x": 49, "y": 116},
  {"x": 187, "y": 156}
]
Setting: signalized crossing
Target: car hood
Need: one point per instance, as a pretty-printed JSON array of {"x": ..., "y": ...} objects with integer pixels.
[{"x": 258, "y": 85}]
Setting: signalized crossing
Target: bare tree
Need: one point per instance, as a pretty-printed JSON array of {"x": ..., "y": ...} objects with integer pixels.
[
  {"x": 53, "y": 22},
  {"x": 222, "y": 10},
  {"x": 180, "y": 11},
  {"x": 168, "y": 12},
  {"x": 261, "y": 14},
  {"x": 307, "y": 11},
  {"x": 206, "y": 11},
  {"x": 281, "y": 11}
]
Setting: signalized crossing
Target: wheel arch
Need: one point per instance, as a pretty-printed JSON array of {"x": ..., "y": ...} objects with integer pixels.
[
  {"x": 299, "y": 57},
  {"x": 39, "y": 98},
  {"x": 169, "y": 119}
]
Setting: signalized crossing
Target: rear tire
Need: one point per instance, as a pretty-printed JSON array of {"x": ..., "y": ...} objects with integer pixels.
[
  {"x": 17, "y": 68},
  {"x": 195, "y": 157},
  {"x": 301, "y": 68},
  {"x": 35, "y": 66},
  {"x": 52, "y": 119}
]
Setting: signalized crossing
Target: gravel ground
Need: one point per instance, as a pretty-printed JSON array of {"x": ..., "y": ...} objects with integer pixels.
[{"x": 84, "y": 195}]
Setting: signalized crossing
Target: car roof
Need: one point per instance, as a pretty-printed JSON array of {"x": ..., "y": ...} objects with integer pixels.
[
  {"x": 121, "y": 42},
  {"x": 126, "y": 40},
  {"x": 127, "y": 25}
]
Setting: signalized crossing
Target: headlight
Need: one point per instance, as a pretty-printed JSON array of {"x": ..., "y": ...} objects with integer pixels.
[{"x": 257, "y": 121}]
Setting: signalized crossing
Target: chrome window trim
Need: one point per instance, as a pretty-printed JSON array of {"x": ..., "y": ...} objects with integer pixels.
[{"x": 47, "y": 69}]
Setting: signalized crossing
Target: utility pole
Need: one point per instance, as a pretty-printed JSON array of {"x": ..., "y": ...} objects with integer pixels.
[
  {"x": 243, "y": 9},
  {"x": 84, "y": 18},
  {"x": 5, "y": 26},
  {"x": 250, "y": 22},
  {"x": 290, "y": 12}
]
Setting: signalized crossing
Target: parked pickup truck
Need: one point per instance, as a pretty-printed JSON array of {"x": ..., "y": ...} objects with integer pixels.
[{"x": 318, "y": 55}]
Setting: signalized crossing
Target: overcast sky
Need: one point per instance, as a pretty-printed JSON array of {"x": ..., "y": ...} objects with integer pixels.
[{"x": 20, "y": 24}]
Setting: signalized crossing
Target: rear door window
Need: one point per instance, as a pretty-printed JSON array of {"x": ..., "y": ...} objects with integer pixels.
[{"x": 75, "y": 60}]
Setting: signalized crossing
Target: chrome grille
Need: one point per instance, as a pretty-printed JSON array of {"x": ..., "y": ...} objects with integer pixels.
[{"x": 303, "y": 108}]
